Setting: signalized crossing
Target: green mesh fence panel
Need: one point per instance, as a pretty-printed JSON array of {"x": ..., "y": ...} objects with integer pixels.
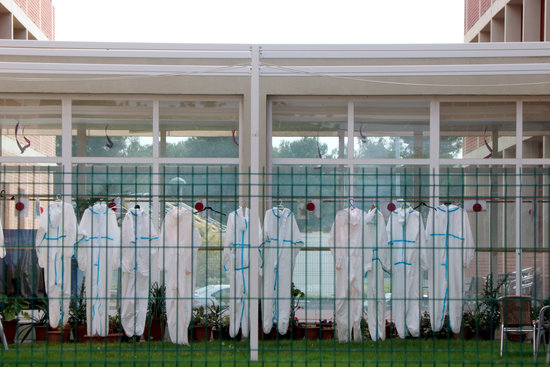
[{"x": 121, "y": 265}]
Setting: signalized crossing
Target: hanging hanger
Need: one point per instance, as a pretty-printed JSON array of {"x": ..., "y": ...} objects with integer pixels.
[
  {"x": 422, "y": 203},
  {"x": 373, "y": 207},
  {"x": 351, "y": 204},
  {"x": 281, "y": 207},
  {"x": 243, "y": 203},
  {"x": 208, "y": 208}
]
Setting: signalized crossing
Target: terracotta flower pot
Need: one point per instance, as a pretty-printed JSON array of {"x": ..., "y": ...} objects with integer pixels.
[
  {"x": 154, "y": 329},
  {"x": 110, "y": 338},
  {"x": 312, "y": 332},
  {"x": 201, "y": 333},
  {"x": 10, "y": 329},
  {"x": 79, "y": 333},
  {"x": 59, "y": 335},
  {"x": 298, "y": 332},
  {"x": 327, "y": 333},
  {"x": 40, "y": 332}
]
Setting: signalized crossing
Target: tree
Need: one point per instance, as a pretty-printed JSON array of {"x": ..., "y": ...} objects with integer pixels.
[{"x": 305, "y": 147}]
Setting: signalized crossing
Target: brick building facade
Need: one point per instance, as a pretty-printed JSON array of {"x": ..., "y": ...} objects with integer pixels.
[{"x": 27, "y": 19}]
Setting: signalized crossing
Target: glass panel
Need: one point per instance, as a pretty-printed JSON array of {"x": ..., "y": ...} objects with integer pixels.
[
  {"x": 309, "y": 129},
  {"x": 536, "y": 130},
  {"x": 478, "y": 130},
  {"x": 493, "y": 188},
  {"x": 199, "y": 128},
  {"x": 112, "y": 128},
  {"x": 392, "y": 129},
  {"x": 534, "y": 207},
  {"x": 30, "y": 127}
]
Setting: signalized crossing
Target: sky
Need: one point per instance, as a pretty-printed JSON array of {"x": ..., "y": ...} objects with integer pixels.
[{"x": 260, "y": 21}]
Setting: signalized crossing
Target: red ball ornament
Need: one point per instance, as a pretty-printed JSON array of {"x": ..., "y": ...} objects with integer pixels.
[
  {"x": 391, "y": 207},
  {"x": 112, "y": 206},
  {"x": 199, "y": 206},
  {"x": 310, "y": 206},
  {"x": 41, "y": 210},
  {"x": 19, "y": 206},
  {"x": 477, "y": 207}
]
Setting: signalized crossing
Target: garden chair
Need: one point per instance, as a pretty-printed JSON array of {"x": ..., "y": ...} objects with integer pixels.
[
  {"x": 516, "y": 317},
  {"x": 542, "y": 326}
]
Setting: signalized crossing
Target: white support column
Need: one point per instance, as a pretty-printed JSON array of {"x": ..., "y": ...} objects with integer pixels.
[
  {"x": 254, "y": 197},
  {"x": 156, "y": 166},
  {"x": 546, "y": 24},
  {"x": 519, "y": 155},
  {"x": 434, "y": 150},
  {"x": 512, "y": 23},
  {"x": 66, "y": 148},
  {"x": 531, "y": 20},
  {"x": 351, "y": 144}
]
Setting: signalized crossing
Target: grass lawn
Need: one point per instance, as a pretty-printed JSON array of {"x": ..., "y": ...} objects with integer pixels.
[{"x": 284, "y": 352}]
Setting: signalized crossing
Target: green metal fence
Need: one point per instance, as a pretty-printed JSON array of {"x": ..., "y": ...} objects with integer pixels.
[{"x": 376, "y": 266}]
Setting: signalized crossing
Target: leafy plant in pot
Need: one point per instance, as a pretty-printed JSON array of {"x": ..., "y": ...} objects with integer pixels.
[
  {"x": 297, "y": 330},
  {"x": 11, "y": 307},
  {"x": 488, "y": 308},
  {"x": 156, "y": 313},
  {"x": 39, "y": 317},
  {"x": 77, "y": 314},
  {"x": 201, "y": 325},
  {"x": 219, "y": 321}
]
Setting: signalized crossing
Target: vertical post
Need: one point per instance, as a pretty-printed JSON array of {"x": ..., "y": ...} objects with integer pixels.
[
  {"x": 254, "y": 197},
  {"x": 66, "y": 149},
  {"x": 156, "y": 166},
  {"x": 519, "y": 155},
  {"x": 351, "y": 145},
  {"x": 434, "y": 151}
]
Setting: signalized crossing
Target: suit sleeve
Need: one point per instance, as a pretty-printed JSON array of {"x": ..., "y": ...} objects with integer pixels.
[
  {"x": 114, "y": 233},
  {"x": 41, "y": 243},
  {"x": 83, "y": 240},
  {"x": 382, "y": 245},
  {"x": 427, "y": 250},
  {"x": 128, "y": 235},
  {"x": 70, "y": 230},
  {"x": 469, "y": 245},
  {"x": 228, "y": 241}
]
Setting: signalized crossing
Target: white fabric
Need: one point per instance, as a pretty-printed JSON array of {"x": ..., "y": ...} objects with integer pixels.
[
  {"x": 180, "y": 241},
  {"x": 235, "y": 260},
  {"x": 139, "y": 243},
  {"x": 346, "y": 242},
  {"x": 98, "y": 255},
  {"x": 282, "y": 242},
  {"x": 449, "y": 251},
  {"x": 377, "y": 262},
  {"x": 406, "y": 236},
  {"x": 55, "y": 241}
]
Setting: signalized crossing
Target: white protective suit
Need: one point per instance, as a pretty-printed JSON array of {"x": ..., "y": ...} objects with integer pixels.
[
  {"x": 98, "y": 255},
  {"x": 406, "y": 236},
  {"x": 139, "y": 244},
  {"x": 347, "y": 244},
  {"x": 282, "y": 242},
  {"x": 377, "y": 262},
  {"x": 55, "y": 241},
  {"x": 448, "y": 252},
  {"x": 179, "y": 247},
  {"x": 236, "y": 261}
]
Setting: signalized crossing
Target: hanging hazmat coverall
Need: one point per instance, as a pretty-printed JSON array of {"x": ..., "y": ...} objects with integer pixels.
[
  {"x": 2, "y": 248},
  {"x": 406, "y": 236},
  {"x": 377, "y": 262},
  {"x": 139, "y": 244},
  {"x": 448, "y": 252},
  {"x": 98, "y": 255},
  {"x": 236, "y": 261},
  {"x": 282, "y": 242},
  {"x": 179, "y": 247},
  {"x": 346, "y": 240},
  {"x": 55, "y": 241}
]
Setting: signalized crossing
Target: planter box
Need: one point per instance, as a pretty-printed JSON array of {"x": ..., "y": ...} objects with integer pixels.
[
  {"x": 40, "y": 332},
  {"x": 154, "y": 330},
  {"x": 200, "y": 333},
  {"x": 10, "y": 329},
  {"x": 79, "y": 333},
  {"x": 59, "y": 335},
  {"x": 312, "y": 332},
  {"x": 327, "y": 334},
  {"x": 110, "y": 338}
]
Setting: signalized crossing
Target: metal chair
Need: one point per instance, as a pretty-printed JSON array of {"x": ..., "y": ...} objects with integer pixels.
[
  {"x": 516, "y": 316},
  {"x": 542, "y": 326}
]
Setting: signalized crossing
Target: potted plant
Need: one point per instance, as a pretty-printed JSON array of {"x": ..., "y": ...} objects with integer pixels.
[
  {"x": 488, "y": 308},
  {"x": 11, "y": 307},
  {"x": 115, "y": 328},
  {"x": 201, "y": 328},
  {"x": 39, "y": 318},
  {"x": 77, "y": 314},
  {"x": 297, "y": 331},
  {"x": 219, "y": 321},
  {"x": 326, "y": 329},
  {"x": 469, "y": 325},
  {"x": 156, "y": 313}
]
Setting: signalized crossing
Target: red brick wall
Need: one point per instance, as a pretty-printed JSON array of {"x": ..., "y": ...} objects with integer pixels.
[
  {"x": 474, "y": 9},
  {"x": 40, "y": 13}
]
